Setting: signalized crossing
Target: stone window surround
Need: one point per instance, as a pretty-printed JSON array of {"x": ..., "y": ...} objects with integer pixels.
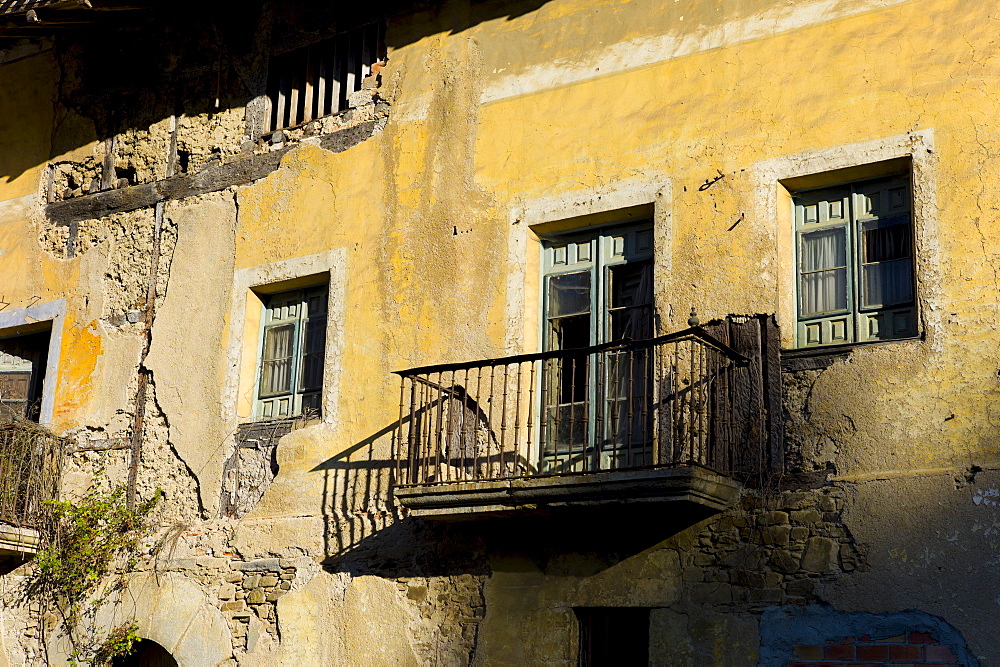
[
  {"x": 244, "y": 337},
  {"x": 624, "y": 201},
  {"x": 772, "y": 202},
  {"x": 50, "y": 311}
]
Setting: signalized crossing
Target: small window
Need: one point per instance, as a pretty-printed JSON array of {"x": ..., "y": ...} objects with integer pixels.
[
  {"x": 292, "y": 349},
  {"x": 855, "y": 269},
  {"x": 613, "y": 636},
  {"x": 22, "y": 374},
  {"x": 315, "y": 81}
]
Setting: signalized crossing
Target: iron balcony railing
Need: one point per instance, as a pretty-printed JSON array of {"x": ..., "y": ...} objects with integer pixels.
[
  {"x": 30, "y": 459},
  {"x": 667, "y": 401}
]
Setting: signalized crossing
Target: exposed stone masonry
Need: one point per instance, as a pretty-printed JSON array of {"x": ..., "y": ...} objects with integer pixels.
[{"x": 772, "y": 550}]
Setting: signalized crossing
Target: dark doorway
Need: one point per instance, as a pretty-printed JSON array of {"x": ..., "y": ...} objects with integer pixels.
[
  {"x": 147, "y": 653},
  {"x": 613, "y": 636},
  {"x": 22, "y": 374}
]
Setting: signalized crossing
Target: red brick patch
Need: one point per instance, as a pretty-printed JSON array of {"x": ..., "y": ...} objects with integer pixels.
[
  {"x": 839, "y": 652},
  {"x": 875, "y": 652},
  {"x": 939, "y": 653},
  {"x": 906, "y": 650},
  {"x": 902, "y": 652}
]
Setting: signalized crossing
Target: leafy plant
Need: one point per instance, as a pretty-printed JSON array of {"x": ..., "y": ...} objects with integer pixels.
[{"x": 86, "y": 539}]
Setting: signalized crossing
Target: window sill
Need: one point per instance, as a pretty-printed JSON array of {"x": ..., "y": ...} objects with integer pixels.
[{"x": 822, "y": 356}]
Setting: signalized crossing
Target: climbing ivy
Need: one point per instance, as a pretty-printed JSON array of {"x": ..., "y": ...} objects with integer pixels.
[{"x": 84, "y": 541}]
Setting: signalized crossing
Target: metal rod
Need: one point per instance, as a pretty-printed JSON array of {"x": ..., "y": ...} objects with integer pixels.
[{"x": 503, "y": 423}]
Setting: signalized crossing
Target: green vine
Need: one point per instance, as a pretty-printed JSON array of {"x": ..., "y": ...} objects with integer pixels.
[{"x": 86, "y": 539}]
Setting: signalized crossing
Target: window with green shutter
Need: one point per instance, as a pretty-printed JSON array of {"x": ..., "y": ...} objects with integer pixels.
[
  {"x": 855, "y": 277},
  {"x": 597, "y": 288},
  {"x": 293, "y": 341}
]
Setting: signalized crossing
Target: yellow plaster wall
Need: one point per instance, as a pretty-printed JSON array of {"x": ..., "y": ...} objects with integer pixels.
[
  {"x": 424, "y": 208},
  {"x": 610, "y": 93}
]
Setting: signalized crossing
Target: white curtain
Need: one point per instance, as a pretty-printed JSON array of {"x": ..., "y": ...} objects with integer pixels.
[
  {"x": 824, "y": 271},
  {"x": 277, "y": 370},
  {"x": 888, "y": 278},
  {"x": 888, "y": 283}
]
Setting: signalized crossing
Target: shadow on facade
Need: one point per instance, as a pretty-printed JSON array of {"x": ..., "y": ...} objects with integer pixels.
[
  {"x": 186, "y": 60},
  {"x": 367, "y": 532}
]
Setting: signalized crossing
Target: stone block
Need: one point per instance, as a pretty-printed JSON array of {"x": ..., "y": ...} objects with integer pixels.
[
  {"x": 806, "y": 516},
  {"x": 827, "y": 503},
  {"x": 251, "y": 582},
  {"x": 775, "y": 518},
  {"x": 268, "y": 581},
  {"x": 777, "y": 535},
  {"x": 712, "y": 593},
  {"x": 799, "y": 534},
  {"x": 259, "y": 565},
  {"x": 238, "y": 605},
  {"x": 819, "y": 553},
  {"x": 227, "y": 592},
  {"x": 767, "y": 595},
  {"x": 256, "y": 596},
  {"x": 234, "y": 578},
  {"x": 796, "y": 500},
  {"x": 782, "y": 561},
  {"x": 703, "y": 560},
  {"x": 274, "y": 595},
  {"x": 747, "y": 578},
  {"x": 772, "y": 579}
]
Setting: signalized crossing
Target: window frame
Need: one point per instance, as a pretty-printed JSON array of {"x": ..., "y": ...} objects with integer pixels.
[
  {"x": 604, "y": 259},
  {"x": 36, "y": 371},
  {"x": 600, "y": 269},
  {"x": 48, "y": 317},
  {"x": 297, "y": 393},
  {"x": 860, "y": 324}
]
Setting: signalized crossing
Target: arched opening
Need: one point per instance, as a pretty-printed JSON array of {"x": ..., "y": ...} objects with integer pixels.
[{"x": 147, "y": 653}]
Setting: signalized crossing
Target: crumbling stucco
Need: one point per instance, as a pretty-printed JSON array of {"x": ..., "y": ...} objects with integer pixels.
[{"x": 507, "y": 123}]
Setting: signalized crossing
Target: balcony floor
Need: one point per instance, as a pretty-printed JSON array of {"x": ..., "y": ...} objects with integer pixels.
[{"x": 700, "y": 490}]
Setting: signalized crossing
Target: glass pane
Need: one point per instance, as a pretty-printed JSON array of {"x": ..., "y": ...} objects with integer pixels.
[
  {"x": 824, "y": 250},
  {"x": 276, "y": 365},
  {"x": 887, "y": 242},
  {"x": 823, "y": 292},
  {"x": 569, "y": 333},
  {"x": 631, "y": 297},
  {"x": 312, "y": 359},
  {"x": 631, "y": 284},
  {"x": 888, "y": 283},
  {"x": 315, "y": 303},
  {"x": 569, "y": 294}
]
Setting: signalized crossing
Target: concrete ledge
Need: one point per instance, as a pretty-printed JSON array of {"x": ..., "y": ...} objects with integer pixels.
[
  {"x": 17, "y": 541},
  {"x": 689, "y": 485}
]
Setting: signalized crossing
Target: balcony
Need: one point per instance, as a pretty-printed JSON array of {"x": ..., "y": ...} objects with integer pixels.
[
  {"x": 678, "y": 419},
  {"x": 29, "y": 475}
]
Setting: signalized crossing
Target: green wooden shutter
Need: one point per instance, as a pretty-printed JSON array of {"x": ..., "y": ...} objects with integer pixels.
[
  {"x": 854, "y": 263},
  {"x": 293, "y": 344},
  {"x": 886, "y": 286},
  {"x": 825, "y": 267}
]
